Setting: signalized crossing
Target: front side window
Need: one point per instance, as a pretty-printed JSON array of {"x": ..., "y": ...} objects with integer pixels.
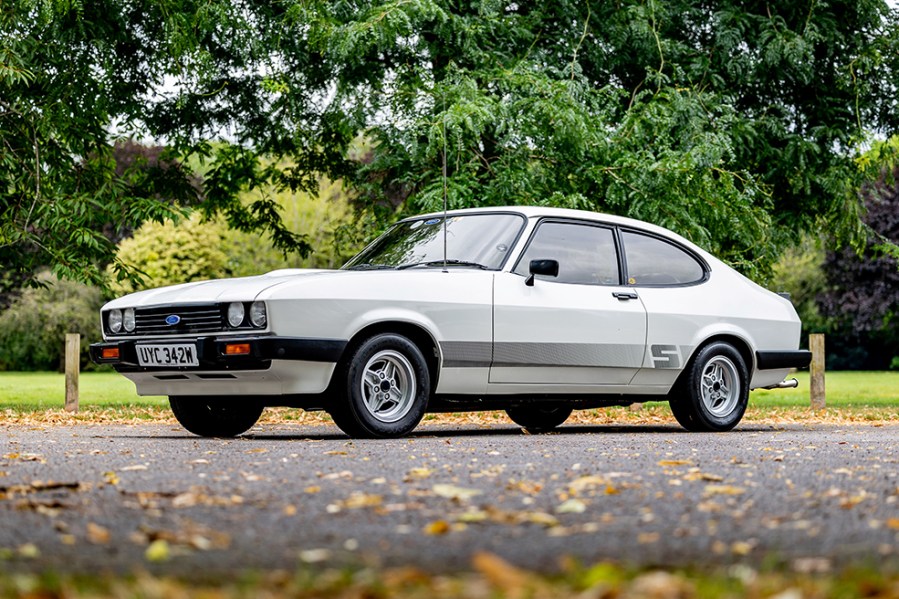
[
  {"x": 586, "y": 254},
  {"x": 651, "y": 261},
  {"x": 474, "y": 240}
]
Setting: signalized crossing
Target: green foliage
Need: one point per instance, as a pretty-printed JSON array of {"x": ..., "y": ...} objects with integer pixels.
[
  {"x": 799, "y": 271},
  {"x": 193, "y": 249},
  {"x": 33, "y": 329},
  {"x": 171, "y": 253},
  {"x": 733, "y": 123}
]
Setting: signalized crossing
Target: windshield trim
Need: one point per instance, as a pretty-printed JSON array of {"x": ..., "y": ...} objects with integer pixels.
[{"x": 512, "y": 245}]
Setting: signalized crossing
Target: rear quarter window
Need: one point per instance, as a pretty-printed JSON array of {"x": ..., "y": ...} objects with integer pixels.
[{"x": 653, "y": 261}]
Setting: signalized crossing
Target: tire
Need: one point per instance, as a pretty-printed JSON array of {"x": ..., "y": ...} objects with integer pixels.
[
  {"x": 538, "y": 419},
  {"x": 386, "y": 386},
  {"x": 715, "y": 390},
  {"x": 216, "y": 416}
]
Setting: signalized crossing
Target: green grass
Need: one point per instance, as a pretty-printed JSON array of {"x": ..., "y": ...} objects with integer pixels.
[
  {"x": 844, "y": 389},
  {"x": 40, "y": 391},
  {"x": 869, "y": 394}
]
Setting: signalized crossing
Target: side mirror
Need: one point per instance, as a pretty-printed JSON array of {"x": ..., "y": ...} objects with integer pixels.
[{"x": 549, "y": 268}]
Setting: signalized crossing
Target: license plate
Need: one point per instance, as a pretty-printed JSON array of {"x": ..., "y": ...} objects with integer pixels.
[{"x": 181, "y": 354}]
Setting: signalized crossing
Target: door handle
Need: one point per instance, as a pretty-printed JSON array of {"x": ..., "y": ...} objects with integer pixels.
[{"x": 625, "y": 295}]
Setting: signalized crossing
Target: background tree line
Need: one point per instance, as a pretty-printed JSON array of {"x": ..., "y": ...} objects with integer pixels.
[{"x": 738, "y": 124}]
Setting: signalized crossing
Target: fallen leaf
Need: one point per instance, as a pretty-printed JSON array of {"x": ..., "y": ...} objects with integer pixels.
[
  {"x": 723, "y": 490},
  {"x": 97, "y": 534},
  {"x": 289, "y": 510},
  {"x": 111, "y": 478},
  {"x": 454, "y": 492},
  {"x": 313, "y": 489},
  {"x": 572, "y": 506},
  {"x": 675, "y": 462},
  {"x": 438, "y": 527},
  {"x": 29, "y": 551},
  {"x": 315, "y": 556},
  {"x": 893, "y": 523},
  {"x": 158, "y": 551},
  {"x": 417, "y": 474},
  {"x": 647, "y": 538},
  {"x": 257, "y": 450},
  {"x": 586, "y": 482},
  {"x": 361, "y": 500},
  {"x": 501, "y": 574}
]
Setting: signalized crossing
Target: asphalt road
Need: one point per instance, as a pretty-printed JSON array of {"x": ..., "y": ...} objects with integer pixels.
[{"x": 152, "y": 497}]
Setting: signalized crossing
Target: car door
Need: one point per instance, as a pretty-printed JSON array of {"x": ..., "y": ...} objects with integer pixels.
[{"x": 582, "y": 327}]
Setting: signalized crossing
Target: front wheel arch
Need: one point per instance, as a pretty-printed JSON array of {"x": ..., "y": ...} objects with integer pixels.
[{"x": 418, "y": 335}]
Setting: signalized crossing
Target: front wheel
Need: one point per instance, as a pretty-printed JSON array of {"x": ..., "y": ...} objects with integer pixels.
[
  {"x": 715, "y": 392},
  {"x": 216, "y": 416},
  {"x": 386, "y": 387},
  {"x": 538, "y": 419}
]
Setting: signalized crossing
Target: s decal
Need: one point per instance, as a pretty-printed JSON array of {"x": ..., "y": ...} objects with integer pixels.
[{"x": 665, "y": 356}]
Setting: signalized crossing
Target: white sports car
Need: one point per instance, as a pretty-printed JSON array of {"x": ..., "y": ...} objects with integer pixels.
[{"x": 534, "y": 311}]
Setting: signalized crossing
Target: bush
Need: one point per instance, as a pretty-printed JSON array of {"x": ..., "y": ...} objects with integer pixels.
[
  {"x": 33, "y": 329},
  {"x": 194, "y": 250},
  {"x": 171, "y": 253}
]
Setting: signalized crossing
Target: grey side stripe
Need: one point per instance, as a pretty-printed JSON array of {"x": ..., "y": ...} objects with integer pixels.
[{"x": 464, "y": 354}]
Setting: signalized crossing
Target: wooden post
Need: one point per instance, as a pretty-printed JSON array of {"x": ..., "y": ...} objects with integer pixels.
[
  {"x": 816, "y": 371},
  {"x": 73, "y": 366}
]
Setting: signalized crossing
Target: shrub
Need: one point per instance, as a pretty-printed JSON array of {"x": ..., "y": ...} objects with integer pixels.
[
  {"x": 171, "y": 253},
  {"x": 33, "y": 329}
]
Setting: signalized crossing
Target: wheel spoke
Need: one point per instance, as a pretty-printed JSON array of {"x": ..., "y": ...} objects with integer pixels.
[{"x": 388, "y": 385}]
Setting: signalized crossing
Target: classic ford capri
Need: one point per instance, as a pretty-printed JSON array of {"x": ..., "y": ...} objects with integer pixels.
[{"x": 535, "y": 311}]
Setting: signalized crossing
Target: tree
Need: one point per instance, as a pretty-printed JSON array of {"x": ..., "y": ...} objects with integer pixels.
[
  {"x": 862, "y": 294},
  {"x": 734, "y": 123}
]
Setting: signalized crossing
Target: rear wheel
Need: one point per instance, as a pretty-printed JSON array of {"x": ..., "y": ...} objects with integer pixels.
[
  {"x": 216, "y": 416},
  {"x": 537, "y": 418},
  {"x": 715, "y": 392},
  {"x": 386, "y": 387}
]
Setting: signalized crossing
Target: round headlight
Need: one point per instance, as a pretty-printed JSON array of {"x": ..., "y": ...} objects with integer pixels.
[
  {"x": 128, "y": 319},
  {"x": 115, "y": 321},
  {"x": 257, "y": 314},
  {"x": 235, "y": 314}
]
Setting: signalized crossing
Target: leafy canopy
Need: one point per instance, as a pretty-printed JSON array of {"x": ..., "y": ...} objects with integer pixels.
[{"x": 733, "y": 123}]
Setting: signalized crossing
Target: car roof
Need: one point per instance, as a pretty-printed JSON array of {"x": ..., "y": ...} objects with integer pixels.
[{"x": 532, "y": 212}]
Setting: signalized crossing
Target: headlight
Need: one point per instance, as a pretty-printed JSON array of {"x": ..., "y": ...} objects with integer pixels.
[
  {"x": 257, "y": 314},
  {"x": 115, "y": 321},
  {"x": 235, "y": 314},
  {"x": 128, "y": 320}
]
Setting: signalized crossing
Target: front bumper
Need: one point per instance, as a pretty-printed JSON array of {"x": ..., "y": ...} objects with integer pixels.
[{"x": 212, "y": 356}]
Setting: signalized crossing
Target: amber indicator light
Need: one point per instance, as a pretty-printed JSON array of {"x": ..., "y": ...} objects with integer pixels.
[
  {"x": 110, "y": 353},
  {"x": 237, "y": 349}
]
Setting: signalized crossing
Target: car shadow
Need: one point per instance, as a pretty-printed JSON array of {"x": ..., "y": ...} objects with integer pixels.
[{"x": 287, "y": 432}]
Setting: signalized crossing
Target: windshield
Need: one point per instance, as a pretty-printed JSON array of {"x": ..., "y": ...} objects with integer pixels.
[{"x": 481, "y": 240}]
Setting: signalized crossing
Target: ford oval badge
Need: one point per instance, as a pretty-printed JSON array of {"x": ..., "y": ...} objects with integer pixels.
[{"x": 172, "y": 320}]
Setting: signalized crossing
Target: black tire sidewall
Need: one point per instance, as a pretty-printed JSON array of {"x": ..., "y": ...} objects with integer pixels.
[
  {"x": 353, "y": 414},
  {"x": 700, "y": 417},
  {"x": 216, "y": 416},
  {"x": 537, "y": 418}
]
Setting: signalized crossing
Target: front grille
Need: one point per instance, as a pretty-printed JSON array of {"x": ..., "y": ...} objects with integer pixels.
[{"x": 205, "y": 318}]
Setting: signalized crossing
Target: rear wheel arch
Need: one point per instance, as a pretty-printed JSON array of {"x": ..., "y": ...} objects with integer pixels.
[{"x": 738, "y": 344}]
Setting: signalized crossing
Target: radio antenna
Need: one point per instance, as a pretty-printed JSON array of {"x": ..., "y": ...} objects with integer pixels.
[{"x": 444, "y": 182}]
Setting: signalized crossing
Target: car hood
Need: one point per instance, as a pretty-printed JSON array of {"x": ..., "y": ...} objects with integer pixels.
[{"x": 217, "y": 290}]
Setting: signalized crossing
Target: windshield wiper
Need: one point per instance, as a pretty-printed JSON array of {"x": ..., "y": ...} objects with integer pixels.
[
  {"x": 367, "y": 266},
  {"x": 441, "y": 262}
]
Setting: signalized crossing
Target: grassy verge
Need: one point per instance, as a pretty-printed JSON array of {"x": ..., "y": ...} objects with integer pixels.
[
  {"x": 491, "y": 578},
  {"x": 108, "y": 397}
]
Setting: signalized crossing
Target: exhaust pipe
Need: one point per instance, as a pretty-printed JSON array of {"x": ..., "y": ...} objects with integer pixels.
[{"x": 789, "y": 384}]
